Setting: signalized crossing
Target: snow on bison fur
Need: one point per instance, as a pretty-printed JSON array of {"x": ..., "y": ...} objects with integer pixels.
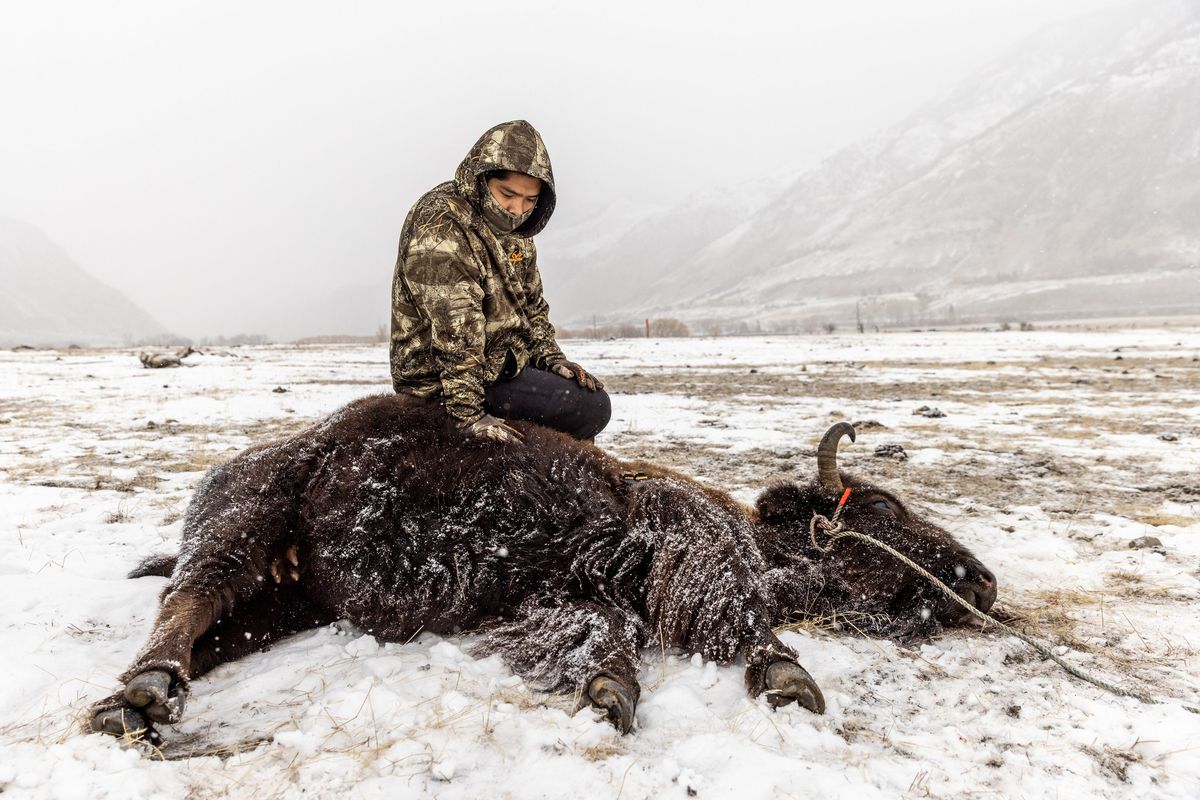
[{"x": 567, "y": 565}]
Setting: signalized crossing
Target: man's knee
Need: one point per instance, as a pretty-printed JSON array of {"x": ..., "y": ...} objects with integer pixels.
[{"x": 596, "y": 411}]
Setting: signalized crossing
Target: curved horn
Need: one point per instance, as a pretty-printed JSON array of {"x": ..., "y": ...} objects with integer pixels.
[{"x": 827, "y": 469}]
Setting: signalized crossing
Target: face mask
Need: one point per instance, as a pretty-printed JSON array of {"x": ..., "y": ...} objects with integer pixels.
[{"x": 498, "y": 218}]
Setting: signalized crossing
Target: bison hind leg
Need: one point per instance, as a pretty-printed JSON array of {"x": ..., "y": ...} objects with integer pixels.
[
  {"x": 575, "y": 646},
  {"x": 155, "y": 691}
]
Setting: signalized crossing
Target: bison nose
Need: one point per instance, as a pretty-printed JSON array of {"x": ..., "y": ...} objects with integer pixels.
[{"x": 985, "y": 588}]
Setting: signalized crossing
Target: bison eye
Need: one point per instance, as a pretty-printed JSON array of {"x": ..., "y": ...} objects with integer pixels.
[{"x": 884, "y": 506}]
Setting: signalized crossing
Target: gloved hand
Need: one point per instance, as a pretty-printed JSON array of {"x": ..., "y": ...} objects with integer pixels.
[
  {"x": 572, "y": 371},
  {"x": 489, "y": 427}
]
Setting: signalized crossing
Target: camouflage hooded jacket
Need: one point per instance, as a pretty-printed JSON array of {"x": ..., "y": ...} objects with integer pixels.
[{"x": 463, "y": 295}]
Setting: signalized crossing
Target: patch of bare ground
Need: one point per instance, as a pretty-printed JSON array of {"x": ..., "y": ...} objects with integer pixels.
[
  {"x": 1159, "y": 520},
  {"x": 39, "y": 475},
  {"x": 984, "y": 479},
  {"x": 381, "y": 387},
  {"x": 1177, "y": 492},
  {"x": 965, "y": 382},
  {"x": 10, "y": 410},
  {"x": 196, "y": 449}
]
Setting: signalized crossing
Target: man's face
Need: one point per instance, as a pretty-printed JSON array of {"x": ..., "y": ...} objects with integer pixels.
[{"x": 516, "y": 193}]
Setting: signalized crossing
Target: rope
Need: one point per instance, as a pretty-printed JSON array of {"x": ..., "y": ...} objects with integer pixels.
[{"x": 836, "y": 531}]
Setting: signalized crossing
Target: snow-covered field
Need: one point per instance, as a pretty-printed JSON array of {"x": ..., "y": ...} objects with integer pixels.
[{"x": 1056, "y": 450}]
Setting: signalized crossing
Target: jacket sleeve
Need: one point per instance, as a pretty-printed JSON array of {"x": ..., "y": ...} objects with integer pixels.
[
  {"x": 444, "y": 283},
  {"x": 543, "y": 348}
]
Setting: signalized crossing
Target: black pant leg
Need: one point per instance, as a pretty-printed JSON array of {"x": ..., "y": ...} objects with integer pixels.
[{"x": 548, "y": 399}]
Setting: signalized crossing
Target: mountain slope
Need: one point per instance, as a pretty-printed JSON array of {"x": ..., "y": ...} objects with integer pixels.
[
  {"x": 49, "y": 299},
  {"x": 1062, "y": 179}
]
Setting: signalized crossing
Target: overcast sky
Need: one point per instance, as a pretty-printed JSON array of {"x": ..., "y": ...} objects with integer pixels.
[{"x": 211, "y": 158}]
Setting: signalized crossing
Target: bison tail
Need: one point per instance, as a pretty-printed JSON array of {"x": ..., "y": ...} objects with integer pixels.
[{"x": 158, "y": 565}]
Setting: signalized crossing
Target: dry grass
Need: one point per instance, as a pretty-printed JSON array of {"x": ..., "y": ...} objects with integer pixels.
[
  {"x": 1127, "y": 585},
  {"x": 1159, "y": 520},
  {"x": 1100, "y": 623},
  {"x": 195, "y": 747},
  {"x": 1113, "y": 762},
  {"x": 1053, "y": 616},
  {"x": 120, "y": 515},
  {"x": 852, "y": 621},
  {"x": 1056, "y": 381}
]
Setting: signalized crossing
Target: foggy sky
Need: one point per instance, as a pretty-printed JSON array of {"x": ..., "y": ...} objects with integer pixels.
[{"x": 226, "y": 164}]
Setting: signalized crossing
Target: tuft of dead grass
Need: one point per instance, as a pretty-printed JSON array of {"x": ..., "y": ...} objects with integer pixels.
[
  {"x": 853, "y": 621},
  {"x": 1159, "y": 520},
  {"x": 119, "y": 516}
]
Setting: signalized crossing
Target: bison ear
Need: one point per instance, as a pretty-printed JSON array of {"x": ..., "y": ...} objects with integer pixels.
[{"x": 782, "y": 503}]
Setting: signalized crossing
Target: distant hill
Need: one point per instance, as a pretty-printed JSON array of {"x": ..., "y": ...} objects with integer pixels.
[
  {"x": 48, "y": 299},
  {"x": 1062, "y": 180}
]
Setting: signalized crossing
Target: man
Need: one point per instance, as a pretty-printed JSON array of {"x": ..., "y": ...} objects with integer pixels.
[{"x": 469, "y": 323}]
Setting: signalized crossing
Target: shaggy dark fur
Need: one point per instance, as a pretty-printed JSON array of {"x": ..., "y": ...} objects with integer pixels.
[{"x": 403, "y": 524}]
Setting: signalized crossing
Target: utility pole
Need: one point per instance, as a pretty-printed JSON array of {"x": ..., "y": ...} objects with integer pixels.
[{"x": 647, "y": 327}]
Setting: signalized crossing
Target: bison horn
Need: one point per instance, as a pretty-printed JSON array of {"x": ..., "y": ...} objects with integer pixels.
[{"x": 827, "y": 469}]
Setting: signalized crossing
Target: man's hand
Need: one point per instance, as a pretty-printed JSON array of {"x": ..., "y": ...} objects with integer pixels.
[
  {"x": 489, "y": 427},
  {"x": 572, "y": 371}
]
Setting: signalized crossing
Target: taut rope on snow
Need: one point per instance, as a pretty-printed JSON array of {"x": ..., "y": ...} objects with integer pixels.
[{"x": 833, "y": 527}]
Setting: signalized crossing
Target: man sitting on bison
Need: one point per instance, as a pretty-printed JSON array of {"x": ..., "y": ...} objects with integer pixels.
[
  {"x": 469, "y": 323},
  {"x": 404, "y": 522}
]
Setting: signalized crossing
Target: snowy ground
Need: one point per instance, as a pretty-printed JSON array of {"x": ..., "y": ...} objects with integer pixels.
[{"x": 1056, "y": 450}]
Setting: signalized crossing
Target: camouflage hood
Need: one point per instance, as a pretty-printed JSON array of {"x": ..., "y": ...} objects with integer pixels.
[{"x": 513, "y": 146}]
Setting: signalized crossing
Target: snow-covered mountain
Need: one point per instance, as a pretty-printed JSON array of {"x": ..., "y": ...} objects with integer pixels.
[
  {"x": 1062, "y": 179},
  {"x": 603, "y": 264},
  {"x": 46, "y": 298}
]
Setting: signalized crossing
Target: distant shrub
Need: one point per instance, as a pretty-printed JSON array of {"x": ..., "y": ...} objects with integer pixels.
[{"x": 669, "y": 328}]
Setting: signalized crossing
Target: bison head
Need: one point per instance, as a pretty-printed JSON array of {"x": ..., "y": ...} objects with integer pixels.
[{"x": 863, "y": 585}]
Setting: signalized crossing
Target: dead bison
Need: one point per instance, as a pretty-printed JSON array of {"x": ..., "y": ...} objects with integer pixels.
[{"x": 569, "y": 560}]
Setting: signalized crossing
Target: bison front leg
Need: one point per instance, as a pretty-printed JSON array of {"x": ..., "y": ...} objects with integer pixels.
[
  {"x": 706, "y": 593},
  {"x": 578, "y": 646}
]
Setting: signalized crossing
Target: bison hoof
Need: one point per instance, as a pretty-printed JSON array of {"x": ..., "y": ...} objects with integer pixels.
[
  {"x": 151, "y": 692},
  {"x": 615, "y": 700},
  {"x": 787, "y": 682},
  {"x": 124, "y": 722}
]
